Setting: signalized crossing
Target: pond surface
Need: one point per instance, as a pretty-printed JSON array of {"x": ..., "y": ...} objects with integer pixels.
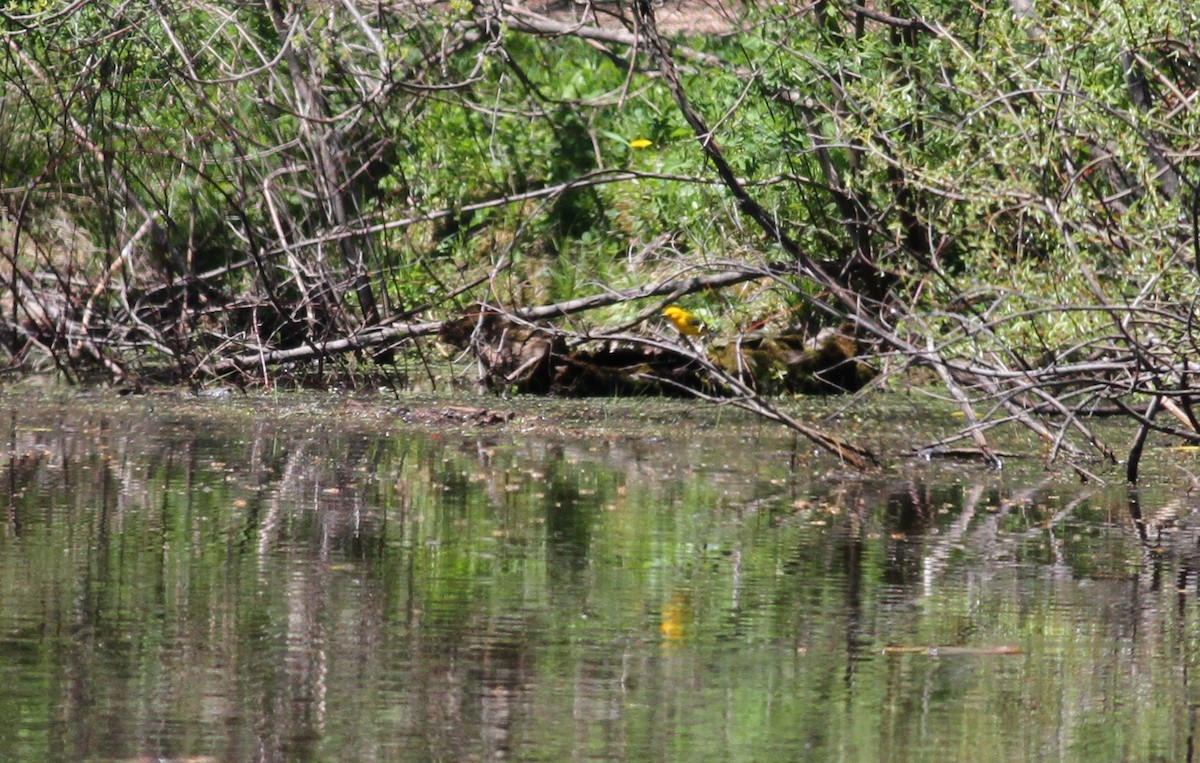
[{"x": 319, "y": 581}]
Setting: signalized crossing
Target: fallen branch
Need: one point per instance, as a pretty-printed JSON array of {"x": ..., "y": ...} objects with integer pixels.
[
  {"x": 375, "y": 337},
  {"x": 744, "y": 397}
]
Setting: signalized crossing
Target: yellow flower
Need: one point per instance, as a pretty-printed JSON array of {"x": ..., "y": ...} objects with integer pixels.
[
  {"x": 640, "y": 143},
  {"x": 685, "y": 323}
]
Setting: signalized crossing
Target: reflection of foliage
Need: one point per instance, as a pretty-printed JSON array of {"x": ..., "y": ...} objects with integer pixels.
[{"x": 413, "y": 579}]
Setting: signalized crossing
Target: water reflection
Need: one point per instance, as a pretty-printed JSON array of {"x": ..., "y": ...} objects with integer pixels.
[{"x": 273, "y": 588}]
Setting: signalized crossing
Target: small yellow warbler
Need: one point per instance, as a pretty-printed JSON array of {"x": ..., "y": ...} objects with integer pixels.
[{"x": 683, "y": 321}]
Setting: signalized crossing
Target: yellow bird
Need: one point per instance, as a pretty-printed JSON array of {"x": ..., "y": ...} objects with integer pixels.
[{"x": 684, "y": 322}]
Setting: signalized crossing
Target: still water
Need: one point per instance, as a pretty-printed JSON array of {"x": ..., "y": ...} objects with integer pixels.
[{"x": 245, "y": 581}]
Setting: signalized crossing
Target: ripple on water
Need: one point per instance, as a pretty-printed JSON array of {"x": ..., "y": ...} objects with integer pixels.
[{"x": 249, "y": 590}]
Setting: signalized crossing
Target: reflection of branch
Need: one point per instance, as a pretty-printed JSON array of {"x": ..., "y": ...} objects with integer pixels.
[
  {"x": 987, "y": 538},
  {"x": 934, "y": 563}
]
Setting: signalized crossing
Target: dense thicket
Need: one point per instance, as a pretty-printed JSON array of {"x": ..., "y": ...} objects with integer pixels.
[{"x": 1002, "y": 192}]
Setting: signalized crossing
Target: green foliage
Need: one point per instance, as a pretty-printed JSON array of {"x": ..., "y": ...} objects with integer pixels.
[{"x": 989, "y": 149}]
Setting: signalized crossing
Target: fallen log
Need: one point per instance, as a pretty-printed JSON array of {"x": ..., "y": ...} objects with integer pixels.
[{"x": 534, "y": 358}]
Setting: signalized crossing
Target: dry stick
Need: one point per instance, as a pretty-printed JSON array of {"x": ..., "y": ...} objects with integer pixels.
[
  {"x": 318, "y": 350},
  {"x": 1139, "y": 442},
  {"x": 990, "y": 378},
  {"x": 1186, "y": 435},
  {"x": 1139, "y": 350},
  {"x": 599, "y": 177},
  {"x": 322, "y": 141},
  {"x": 677, "y": 288},
  {"x": 378, "y": 336},
  {"x": 1021, "y": 414},
  {"x": 1058, "y": 441},
  {"x": 917, "y": 24},
  {"x": 522, "y": 20},
  {"x": 747, "y": 399},
  {"x": 855, "y": 455},
  {"x": 964, "y": 403},
  {"x": 1173, "y": 408},
  {"x": 587, "y": 180},
  {"x": 102, "y": 282}
]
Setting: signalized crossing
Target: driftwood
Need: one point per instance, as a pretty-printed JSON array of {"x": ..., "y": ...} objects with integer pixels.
[{"x": 536, "y": 358}]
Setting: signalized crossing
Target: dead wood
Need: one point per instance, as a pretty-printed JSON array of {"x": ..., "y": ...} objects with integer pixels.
[{"x": 536, "y": 358}]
